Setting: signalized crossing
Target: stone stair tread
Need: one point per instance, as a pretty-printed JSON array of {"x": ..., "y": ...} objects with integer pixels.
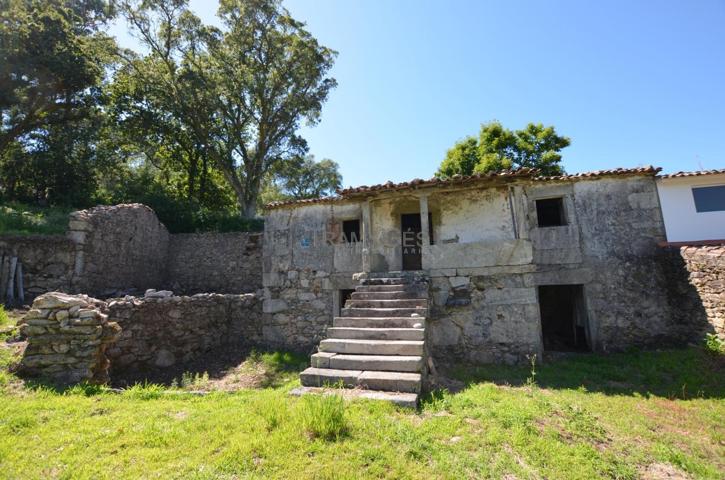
[
  {"x": 369, "y": 379},
  {"x": 402, "y": 399},
  {"x": 375, "y": 342},
  {"x": 376, "y": 333},
  {"x": 388, "y": 363}
]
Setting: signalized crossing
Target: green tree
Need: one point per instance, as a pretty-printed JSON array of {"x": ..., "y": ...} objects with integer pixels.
[
  {"x": 306, "y": 178},
  {"x": 52, "y": 57},
  {"x": 242, "y": 91},
  {"x": 498, "y": 148}
]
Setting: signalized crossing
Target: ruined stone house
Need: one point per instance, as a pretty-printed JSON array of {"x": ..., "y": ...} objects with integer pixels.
[{"x": 516, "y": 264}]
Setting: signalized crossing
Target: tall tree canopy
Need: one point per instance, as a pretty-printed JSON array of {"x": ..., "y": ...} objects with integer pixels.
[
  {"x": 307, "y": 178},
  {"x": 239, "y": 93},
  {"x": 52, "y": 58},
  {"x": 498, "y": 148}
]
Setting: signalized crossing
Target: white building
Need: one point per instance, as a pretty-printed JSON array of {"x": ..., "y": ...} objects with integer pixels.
[{"x": 693, "y": 205}]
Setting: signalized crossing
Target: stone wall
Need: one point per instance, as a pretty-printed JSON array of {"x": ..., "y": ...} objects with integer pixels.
[
  {"x": 67, "y": 338},
  {"x": 696, "y": 289},
  {"x": 215, "y": 262},
  {"x": 46, "y": 262},
  {"x": 160, "y": 332},
  {"x": 118, "y": 249}
]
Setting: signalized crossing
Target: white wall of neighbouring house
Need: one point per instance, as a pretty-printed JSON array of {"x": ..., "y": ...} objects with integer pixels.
[{"x": 683, "y": 223}]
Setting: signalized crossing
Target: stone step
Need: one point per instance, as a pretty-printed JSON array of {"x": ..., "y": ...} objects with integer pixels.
[
  {"x": 379, "y": 322},
  {"x": 386, "y": 363},
  {"x": 382, "y": 288},
  {"x": 369, "y": 379},
  {"x": 383, "y": 312},
  {"x": 401, "y": 399},
  {"x": 388, "y": 303},
  {"x": 376, "y": 333},
  {"x": 392, "y": 295},
  {"x": 372, "y": 347},
  {"x": 385, "y": 281}
]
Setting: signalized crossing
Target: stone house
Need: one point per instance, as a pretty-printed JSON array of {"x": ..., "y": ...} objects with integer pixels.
[{"x": 516, "y": 264}]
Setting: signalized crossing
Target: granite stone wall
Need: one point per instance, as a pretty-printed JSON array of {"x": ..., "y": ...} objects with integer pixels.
[
  {"x": 119, "y": 248},
  {"x": 163, "y": 331},
  {"x": 695, "y": 278},
  {"x": 214, "y": 262},
  {"x": 45, "y": 263},
  {"x": 67, "y": 338}
]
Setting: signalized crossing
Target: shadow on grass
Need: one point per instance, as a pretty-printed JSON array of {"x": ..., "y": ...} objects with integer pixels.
[
  {"x": 683, "y": 374},
  {"x": 272, "y": 367}
]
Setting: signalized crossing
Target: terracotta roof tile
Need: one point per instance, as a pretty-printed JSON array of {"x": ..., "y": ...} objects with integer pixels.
[
  {"x": 463, "y": 179},
  {"x": 692, "y": 174},
  {"x": 603, "y": 173}
]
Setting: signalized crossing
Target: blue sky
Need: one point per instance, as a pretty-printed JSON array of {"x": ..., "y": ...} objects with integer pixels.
[{"x": 630, "y": 82}]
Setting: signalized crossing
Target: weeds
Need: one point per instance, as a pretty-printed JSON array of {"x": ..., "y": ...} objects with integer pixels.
[
  {"x": 531, "y": 380},
  {"x": 714, "y": 345},
  {"x": 323, "y": 416}
]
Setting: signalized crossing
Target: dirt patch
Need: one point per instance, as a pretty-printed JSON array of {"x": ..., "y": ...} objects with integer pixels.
[
  {"x": 662, "y": 471},
  {"x": 226, "y": 368}
]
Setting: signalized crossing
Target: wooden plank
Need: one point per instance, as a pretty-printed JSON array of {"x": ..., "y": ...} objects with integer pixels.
[
  {"x": 3, "y": 277},
  {"x": 11, "y": 281},
  {"x": 19, "y": 282}
]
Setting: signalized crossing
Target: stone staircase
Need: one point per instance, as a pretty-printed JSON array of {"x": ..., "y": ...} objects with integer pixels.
[{"x": 377, "y": 345}]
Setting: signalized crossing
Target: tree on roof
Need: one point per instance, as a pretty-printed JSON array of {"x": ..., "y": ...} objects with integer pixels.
[{"x": 498, "y": 148}]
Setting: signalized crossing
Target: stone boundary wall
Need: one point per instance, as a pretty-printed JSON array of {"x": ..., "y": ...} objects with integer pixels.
[
  {"x": 46, "y": 264},
  {"x": 111, "y": 251},
  {"x": 160, "y": 332},
  {"x": 215, "y": 262},
  {"x": 696, "y": 288},
  {"x": 118, "y": 248},
  {"x": 72, "y": 338},
  {"x": 67, "y": 338}
]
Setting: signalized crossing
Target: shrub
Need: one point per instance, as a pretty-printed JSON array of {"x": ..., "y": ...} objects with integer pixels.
[
  {"x": 714, "y": 345},
  {"x": 323, "y": 416},
  {"x": 4, "y": 318}
]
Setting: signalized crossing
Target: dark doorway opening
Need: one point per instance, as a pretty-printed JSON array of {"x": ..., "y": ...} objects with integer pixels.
[
  {"x": 563, "y": 318},
  {"x": 351, "y": 231},
  {"x": 345, "y": 295},
  {"x": 411, "y": 241}
]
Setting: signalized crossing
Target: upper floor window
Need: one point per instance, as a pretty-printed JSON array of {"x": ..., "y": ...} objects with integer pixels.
[
  {"x": 550, "y": 212},
  {"x": 709, "y": 199},
  {"x": 351, "y": 231}
]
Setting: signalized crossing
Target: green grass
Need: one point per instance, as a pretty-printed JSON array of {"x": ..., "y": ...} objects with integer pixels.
[
  {"x": 586, "y": 417},
  {"x": 22, "y": 219}
]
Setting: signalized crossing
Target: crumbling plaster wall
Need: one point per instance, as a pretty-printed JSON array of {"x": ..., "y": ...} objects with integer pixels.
[{"x": 304, "y": 268}]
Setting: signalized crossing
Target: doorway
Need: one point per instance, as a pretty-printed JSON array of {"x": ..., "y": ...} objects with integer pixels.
[
  {"x": 411, "y": 241},
  {"x": 564, "y": 325}
]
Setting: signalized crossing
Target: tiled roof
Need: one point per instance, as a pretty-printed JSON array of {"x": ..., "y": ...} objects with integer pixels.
[
  {"x": 463, "y": 179},
  {"x": 603, "y": 173},
  {"x": 692, "y": 174},
  {"x": 454, "y": 180}
]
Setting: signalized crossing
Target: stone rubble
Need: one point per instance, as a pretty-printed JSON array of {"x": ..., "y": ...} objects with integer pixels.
[{"x": 67, "y": 339}]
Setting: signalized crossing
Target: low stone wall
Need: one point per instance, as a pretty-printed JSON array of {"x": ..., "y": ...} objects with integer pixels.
[
  {"x": 696, "y": 288},
  {"x": 67, "y": 338},
  {"x": 215, "y": 262},
  {"x": 45, "y": 263},
  {"x": 160, "y": 332}
]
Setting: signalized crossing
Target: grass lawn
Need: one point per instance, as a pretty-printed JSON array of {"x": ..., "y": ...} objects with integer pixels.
[
  {"x": 637, "y": 415},
  {"x": 22, "y": 219}
]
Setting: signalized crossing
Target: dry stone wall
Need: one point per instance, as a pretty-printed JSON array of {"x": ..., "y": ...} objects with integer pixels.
[
  {"x": 160, "y": 331},
  {"x": 215, "y": 262},
  {"x": 118, "y": 248},
  {"x": 67, "y": 338},
  {"x": 43, "y": 263},
  {"x": 696, "y": 289}
]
